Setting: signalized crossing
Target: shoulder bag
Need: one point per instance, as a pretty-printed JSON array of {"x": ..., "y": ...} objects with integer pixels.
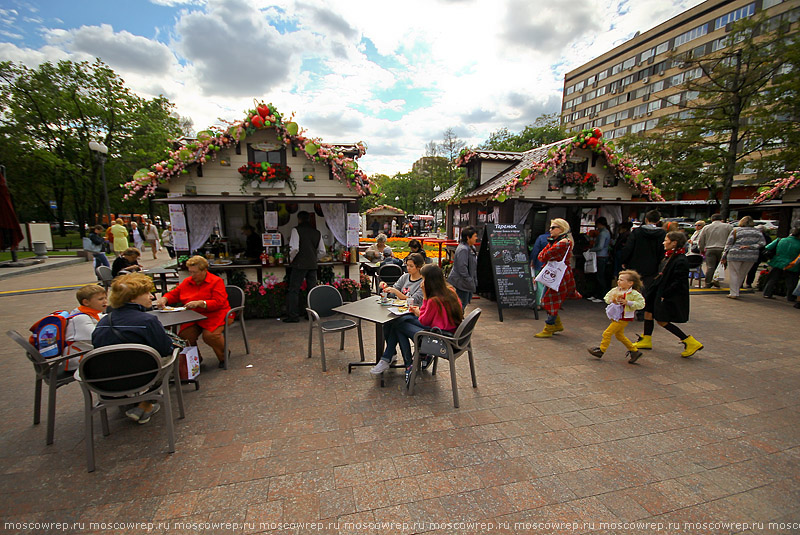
[{"x": 552, "y": 272}]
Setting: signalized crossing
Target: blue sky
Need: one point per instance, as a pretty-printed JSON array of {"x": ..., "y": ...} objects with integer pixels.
[{"x": 395, "y": 75}]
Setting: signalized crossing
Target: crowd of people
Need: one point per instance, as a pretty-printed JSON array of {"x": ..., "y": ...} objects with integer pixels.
[
  {"x": 651, "y": 265},
  {"x": 117, "y": 237}
]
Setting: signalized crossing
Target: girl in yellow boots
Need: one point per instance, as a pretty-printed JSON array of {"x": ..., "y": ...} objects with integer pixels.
[
  {"x": 667, "y": 298},
  {"x": 623, "y": 302},
  {"x": 560, "y": 246}
]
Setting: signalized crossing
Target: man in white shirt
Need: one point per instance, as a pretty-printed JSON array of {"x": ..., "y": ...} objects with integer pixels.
[{"x": 305, "y": 248}]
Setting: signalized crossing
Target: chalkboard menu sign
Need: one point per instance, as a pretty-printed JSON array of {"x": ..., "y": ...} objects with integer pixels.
[{"x": 511, "y": 268}]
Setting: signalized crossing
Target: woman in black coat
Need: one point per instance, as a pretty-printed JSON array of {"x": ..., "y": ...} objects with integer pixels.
[{"x": 667, "y": 297}]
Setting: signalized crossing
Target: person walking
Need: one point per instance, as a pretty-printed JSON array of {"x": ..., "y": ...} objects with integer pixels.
[
  {"x": 600, "y": 248},
  {"x": 741, "y": 252},
  {"x": 712, "y": 243},
  {"x": 623, "y": 302},
  {"x": 559, "y": 247},
  {"x": 120, "y": 235},
  {"x": 305, "y": 248},
  {"x": 537, "y": 265},
  {"x": 464, "y": 273},
  {"x": 167, "y": 240},
  {"x": 644, "y": 249},
  {"x": 623, "y": 233},
  {"x": 151, "y": 235},
  {"x": 137, "y": 235},
  {"x": 667, "y": 298},
  {"x": 786, "y": 251},
  {"x": 751, "y": 275}
]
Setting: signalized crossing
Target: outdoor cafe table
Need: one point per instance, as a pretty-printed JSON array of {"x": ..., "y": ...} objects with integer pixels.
[
  {"x": 162, "y": 273},
  {"x": 369, "y": 309},
  {"x": 172, "y": 320}
]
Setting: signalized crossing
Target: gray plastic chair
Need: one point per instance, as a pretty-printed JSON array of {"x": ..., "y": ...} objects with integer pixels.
[
  {"x": 321, "y": 302},
  {"x": 388, "y": 273},
  {"x": 456, "y": 345},
  {"x": 104, "y": 276},
  {"x": 236, "y": 302},
  {"x": 124, "y": 374},
  {"x": 51, "y": 372}
]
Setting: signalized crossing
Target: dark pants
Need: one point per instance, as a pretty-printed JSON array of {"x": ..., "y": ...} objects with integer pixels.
[
  {"x": 464, "y": 296},
  {"x": 789, "y": 278},
  {"x": 296, "y": 278},
  {"x": 600, "y": 278},
  {"x": 100, "y": 260}
]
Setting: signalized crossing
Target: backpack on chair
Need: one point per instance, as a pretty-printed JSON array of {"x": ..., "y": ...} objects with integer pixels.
[{"x": 49, "y": 333}]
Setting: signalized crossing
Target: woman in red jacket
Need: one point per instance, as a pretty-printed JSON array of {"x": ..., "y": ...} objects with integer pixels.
[
  {"x": 560, "y": 246},
  {"x": 205, "y": 293}
]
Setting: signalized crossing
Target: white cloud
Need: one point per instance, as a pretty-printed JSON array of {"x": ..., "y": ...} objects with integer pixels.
[
  {"x": 121, "y": 50},
  {"x": 473, "y": 65}
]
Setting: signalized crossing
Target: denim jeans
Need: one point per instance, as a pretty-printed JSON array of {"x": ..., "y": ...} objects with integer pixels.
[
  {"x": 400, "y": 332},
  {"x": 464, "y": 296},
  {"x": 100, "y": 260}
]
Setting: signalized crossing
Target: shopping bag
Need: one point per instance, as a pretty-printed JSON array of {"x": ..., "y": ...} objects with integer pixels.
[
  {"x": 552, "y": 273},
  {"x": 189, "y": 364},
  {"x": 590, "y": 264},
  {"x": 719, "y": 273},
  {"x": 615, "y": 311}
]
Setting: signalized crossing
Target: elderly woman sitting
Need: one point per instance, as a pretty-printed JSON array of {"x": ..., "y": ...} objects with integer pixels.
[
  {"x": 128, "y": 323},
  {"x": 377, "y": 252},
  {"x": 205, "y": 293},
  {"x": 127, "y": 262}
]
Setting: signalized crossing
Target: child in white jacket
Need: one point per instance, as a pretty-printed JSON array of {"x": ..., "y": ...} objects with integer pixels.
[
  {"x": 92, "y": 301},
  {"x": 623, "y": 302}
]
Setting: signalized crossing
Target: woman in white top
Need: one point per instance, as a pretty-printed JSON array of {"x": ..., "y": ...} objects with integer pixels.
[
  {"x": 151, "y": 233},
  {"x": 136, "y": 235}
]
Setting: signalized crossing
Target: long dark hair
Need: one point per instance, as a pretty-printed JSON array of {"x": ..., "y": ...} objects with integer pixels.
[{"x": 437, "y": 289}]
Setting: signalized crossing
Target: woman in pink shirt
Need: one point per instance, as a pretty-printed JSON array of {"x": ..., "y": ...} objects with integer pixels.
[{"x": 440, "y": 308}]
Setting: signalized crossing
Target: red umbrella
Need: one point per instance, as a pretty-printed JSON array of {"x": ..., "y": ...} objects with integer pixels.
[{"x": 10, "y": 232}]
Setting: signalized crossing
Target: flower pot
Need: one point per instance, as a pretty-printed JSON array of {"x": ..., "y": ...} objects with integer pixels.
[
  {"x": 569, "y": 190},
  {"x": 349, "y": 296}
]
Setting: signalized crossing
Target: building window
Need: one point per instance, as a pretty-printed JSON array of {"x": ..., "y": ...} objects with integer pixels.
[
  {"x": 647, "y": 54},
  {"x": 611, "y": 102},
  {"x": 663, "y": 47},
  {"x": 567, "y": 104},
  {"x": 691, "y": 95},
  {"x": 579, "y": 86},
  {"x": 627, "y": 80},
  {"x": 653, "y": 106},
  {"x": 609, "y": 134},
  {"x": 602, "y": 75},
  {"x": 637, "y": 127},
  {"x": 577, "y": 100},
  {"x": 271, "y": 156},
  {"x": 619, "y": 132},
  {"x": 601, "y": 91},
  {"x": 650, "y": 124},
  {"x": 628, "y": 63},
  {"x": 677, "y": 79},
  {"x": 766, "y": 4},
  {"x": 639, "y": 110},
  {"x": 622, "y": 115},
  {"x": 674, "y": 100},
  {"x": 719, "y": 44},
  {"x": 590, "y": 95},
  {"x": 691, "y": 35},
  {"x": 656, "y": 87},
  {"x": 735, "y": 15},
  {"x": 616, "y": 69},
  {"x": 591, "y": 80},
  {"x": 570, "y": 90},
  {"x": 610, "y": 118}
]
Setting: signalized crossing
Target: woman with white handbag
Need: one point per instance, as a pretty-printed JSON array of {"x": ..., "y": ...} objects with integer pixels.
[{"x": 556, "y": 275}]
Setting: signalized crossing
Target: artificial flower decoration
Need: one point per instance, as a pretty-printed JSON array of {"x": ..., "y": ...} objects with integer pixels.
[
  {"x": 777, "y": 187},
  {"x": 583, "y": 182},
  {"x": 254, "y": 173},
  {"x": 588, "y": 138},
  {"x": 211, "y": 141}
]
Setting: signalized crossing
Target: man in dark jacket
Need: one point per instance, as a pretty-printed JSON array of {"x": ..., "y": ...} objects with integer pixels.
[
  {"x": 305, "y": 248},
  {"x": 644, "y": 248}
]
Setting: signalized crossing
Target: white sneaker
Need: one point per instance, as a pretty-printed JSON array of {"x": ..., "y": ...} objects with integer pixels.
[
  {"x": 379, "y": 368},
  {"x": 595, "y": 300}
]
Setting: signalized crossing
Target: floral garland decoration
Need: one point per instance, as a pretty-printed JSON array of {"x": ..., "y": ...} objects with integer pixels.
[
  {"x": 777, "y": 187},
  {"x": 266, "y": 172},
  {"x": 209, "y": 142},
  {"x": 588, "y": 138}
]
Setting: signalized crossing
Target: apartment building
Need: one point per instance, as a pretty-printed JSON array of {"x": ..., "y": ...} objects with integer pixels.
[{"x": 627, "y": 89}]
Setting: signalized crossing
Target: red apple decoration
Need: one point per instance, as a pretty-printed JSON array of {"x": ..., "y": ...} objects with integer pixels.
[
  {"x": 257, "y": 121},
  {"x": 263, "y": 111}
]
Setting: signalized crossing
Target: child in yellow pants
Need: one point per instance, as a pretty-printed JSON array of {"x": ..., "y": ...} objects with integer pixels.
[{"x": 623, "y": 302}]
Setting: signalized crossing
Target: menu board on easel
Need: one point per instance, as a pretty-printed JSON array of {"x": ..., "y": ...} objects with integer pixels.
[{"x": 511, "y": 268}]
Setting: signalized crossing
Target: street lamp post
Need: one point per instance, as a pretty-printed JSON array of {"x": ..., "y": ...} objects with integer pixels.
[
  {"x": 436, "y": 189},
  {"x": 101, "y": 152}
]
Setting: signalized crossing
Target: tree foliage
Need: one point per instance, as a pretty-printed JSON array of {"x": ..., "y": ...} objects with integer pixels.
[
  {"x": 738, "y": 111},
  {"x": 51, "y": 113},
  {"x": 546, "y": 129}
]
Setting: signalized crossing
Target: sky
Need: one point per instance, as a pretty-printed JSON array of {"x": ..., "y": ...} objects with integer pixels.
[{"x": 394, "y": 75}]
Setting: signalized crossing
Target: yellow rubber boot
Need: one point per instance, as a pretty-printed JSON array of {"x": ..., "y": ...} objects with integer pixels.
[
  {"x": 645, "y": 342},
  {"x": 558, "y": 326},
  {"x": 547, "y": 332},
  {"x": 692, "y": 346}
]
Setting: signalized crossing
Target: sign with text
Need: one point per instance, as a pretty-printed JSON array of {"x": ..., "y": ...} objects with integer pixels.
[{"x": 510, "y": 266}]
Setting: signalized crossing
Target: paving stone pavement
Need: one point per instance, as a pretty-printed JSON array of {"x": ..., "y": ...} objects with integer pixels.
[{"x": 553, "y": 440}]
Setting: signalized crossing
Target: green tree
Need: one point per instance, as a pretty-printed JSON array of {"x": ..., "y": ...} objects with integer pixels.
[
  {"x": 51, "y": 113},
  {"x": 732, "y": 121},
  {"x": 545, "y": 129}
]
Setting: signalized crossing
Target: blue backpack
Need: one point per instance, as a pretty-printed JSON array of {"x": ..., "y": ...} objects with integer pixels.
[{"x": 49, "y": 333}]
